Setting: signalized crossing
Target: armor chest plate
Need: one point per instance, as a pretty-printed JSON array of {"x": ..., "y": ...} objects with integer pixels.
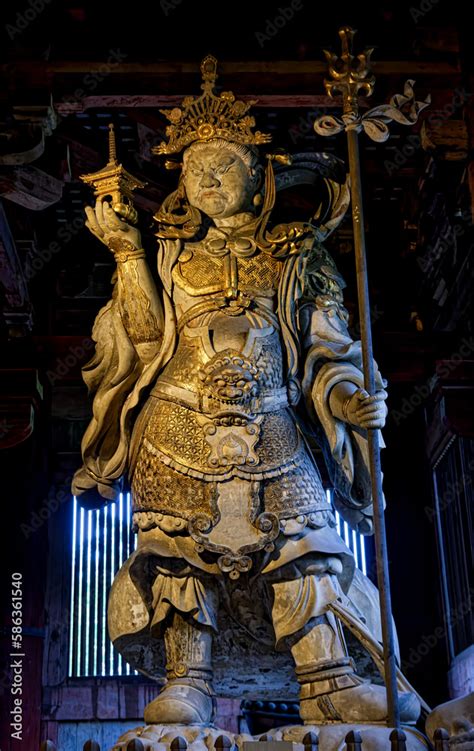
[{"x": 199, "y": 272}]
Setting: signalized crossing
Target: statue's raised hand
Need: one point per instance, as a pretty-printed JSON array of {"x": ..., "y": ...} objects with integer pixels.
[{"x": 117, "y": 234}]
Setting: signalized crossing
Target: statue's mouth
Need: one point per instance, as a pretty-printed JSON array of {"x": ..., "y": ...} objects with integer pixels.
[{"x": 212, "y": 194}]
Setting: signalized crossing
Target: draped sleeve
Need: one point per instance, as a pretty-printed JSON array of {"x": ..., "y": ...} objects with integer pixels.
[
  {"x": 119, "y": 382},
  {"x": 316, "y": 335}
]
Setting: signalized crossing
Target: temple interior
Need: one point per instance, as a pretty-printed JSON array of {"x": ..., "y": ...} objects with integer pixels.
[{"x": 69, "y": 69}]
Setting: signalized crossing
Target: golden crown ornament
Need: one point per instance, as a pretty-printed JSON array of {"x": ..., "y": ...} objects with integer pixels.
[{"x": 210, "y": 116}]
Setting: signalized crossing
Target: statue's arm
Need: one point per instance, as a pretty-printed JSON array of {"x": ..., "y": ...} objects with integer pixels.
[
  {"x": 139, "y": 305},
  {"x": 127, "y": 334},
  {"x": 137, "y": 297},
  {"x": 329, "y": 343},
  {"x": 333, "y": 387}
]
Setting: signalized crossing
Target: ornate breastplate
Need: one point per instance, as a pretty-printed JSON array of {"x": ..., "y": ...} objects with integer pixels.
[
  {"x": 200, "y": 272},
  {"x": 229, "y": 357}
]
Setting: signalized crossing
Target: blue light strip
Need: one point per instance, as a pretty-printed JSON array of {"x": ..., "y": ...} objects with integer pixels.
[
  {"x": 363, "y": 560},
  {"x": 80, "y": 584},
  {"x": 88, "y": 594},
  {"x": 121, "y": 529},
  {"x": 73, "y": 584},
  {"x": 96, "y": 595},
  {"x": 346, "y": 534},
  {"x": 128, "y": 512},
  {"x": 128, "y": 516},
  {"x": 120, "y": 561},
  {"x": 354, "y": 548},
  {"x": 104, "y": 592},
  {"x": 111, "y": 573}
]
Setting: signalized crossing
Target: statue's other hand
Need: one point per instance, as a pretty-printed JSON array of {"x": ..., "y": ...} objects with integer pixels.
[
  {"x": 104, "y": 224},
  {"x": 366, "y": 411}
]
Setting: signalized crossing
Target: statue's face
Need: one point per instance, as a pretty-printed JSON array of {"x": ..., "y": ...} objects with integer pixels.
[{"x": 218, "y": 182}]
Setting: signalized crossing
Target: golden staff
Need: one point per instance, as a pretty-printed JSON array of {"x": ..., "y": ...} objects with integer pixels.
[{"x": 349, "y": 76}]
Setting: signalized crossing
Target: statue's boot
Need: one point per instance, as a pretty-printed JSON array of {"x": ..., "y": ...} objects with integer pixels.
[
  {"x": 187, "y": 697},
  {"x": 331, "y": 692}
]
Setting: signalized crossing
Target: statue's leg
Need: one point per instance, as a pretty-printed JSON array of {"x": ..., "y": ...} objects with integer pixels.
[
  {"x": 187, "y": 697},
  {"x": 331, "y": 691}
]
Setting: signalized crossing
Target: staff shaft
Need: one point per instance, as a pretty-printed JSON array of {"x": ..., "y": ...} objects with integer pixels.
[{"x": 383, "y": 577}]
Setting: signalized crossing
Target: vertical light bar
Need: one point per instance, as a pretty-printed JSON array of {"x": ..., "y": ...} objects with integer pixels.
[
  {"x": 80, "y": 583},
  {"x": 112, "y": 570},
  {"x": 128, "y": 512},
  {"x": 73, "y": 584},
  {"x": 88, "y": 595},
  {"x": 355, "y": 549},
  {"x": 96, "y": 595},
  {"x": 346, "y": 534},
  {"x": 120, "y": 561},
  {"x": 121, "y": 529},
  {"x": 104, "y": 592},
  {"x": 129, "y": 527},
  {"x": 362, "y": 555}
]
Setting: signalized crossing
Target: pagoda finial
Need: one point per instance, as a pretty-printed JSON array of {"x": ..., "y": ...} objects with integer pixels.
[
  {"x": 112, "y": 145},
  {"x": 115, "y": 184}
]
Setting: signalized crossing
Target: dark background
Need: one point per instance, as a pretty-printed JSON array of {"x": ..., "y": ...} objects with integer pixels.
[{"x": 97, "y": 63}]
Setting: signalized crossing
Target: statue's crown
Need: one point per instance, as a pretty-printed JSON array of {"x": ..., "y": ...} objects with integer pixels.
[{"x": 210, "y": 116}]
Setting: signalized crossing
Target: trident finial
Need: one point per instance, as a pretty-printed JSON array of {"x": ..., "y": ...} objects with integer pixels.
[{"x": 350, "y": 75}]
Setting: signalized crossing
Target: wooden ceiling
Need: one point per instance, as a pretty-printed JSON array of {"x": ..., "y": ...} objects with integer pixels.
[{"x": 78, "y": 65}]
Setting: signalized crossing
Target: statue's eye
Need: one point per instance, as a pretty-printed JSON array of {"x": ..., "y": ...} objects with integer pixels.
[{"x": 223, "y": 168}]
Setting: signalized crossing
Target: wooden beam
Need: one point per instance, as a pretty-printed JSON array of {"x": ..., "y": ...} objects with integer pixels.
[
  {"x": 449, "y": 139},
  {"x": 273, "y": 67},
  {"x": 30, "y": 187},
  {"x": 124, "y": 101},
  {"x": 276, "y": 84}
]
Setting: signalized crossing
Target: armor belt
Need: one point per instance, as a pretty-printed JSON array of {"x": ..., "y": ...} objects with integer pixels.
[
  {"x": 269, "y": 400},
  {"x": 227, "y": 304}
]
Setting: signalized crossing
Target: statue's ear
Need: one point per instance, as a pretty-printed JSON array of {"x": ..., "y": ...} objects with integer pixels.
[{"x": 258, "y": 176}]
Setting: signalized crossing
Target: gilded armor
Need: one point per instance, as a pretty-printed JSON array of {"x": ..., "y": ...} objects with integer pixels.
[{"x": 219, "y": 440}]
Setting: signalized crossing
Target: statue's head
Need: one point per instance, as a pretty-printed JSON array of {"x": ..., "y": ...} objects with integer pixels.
[{"x": 221, "y": 178}]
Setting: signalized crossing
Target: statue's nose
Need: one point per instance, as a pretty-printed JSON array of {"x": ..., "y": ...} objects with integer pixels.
[{"x": 209, "y": 180}]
